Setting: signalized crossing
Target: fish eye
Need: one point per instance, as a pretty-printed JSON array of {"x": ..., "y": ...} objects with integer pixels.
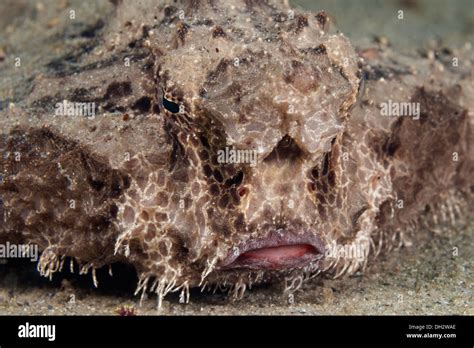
[{"x": 170, "y": 105}]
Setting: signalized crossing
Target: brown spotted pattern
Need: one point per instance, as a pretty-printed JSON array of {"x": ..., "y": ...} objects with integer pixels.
[{"x": 183, "y": 80}]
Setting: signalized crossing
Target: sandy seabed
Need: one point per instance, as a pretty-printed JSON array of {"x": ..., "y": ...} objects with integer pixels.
[{"x": 433, "y": 276}]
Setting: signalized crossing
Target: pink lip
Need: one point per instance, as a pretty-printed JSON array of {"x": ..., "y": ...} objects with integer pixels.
[{"x": 279, "y": 250}]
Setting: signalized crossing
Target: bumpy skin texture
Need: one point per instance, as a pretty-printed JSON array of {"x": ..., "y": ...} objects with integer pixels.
[{"x": 146, "y": 184}]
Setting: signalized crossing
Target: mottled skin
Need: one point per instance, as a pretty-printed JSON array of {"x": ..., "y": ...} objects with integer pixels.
[{"x": 145, "y": 181}]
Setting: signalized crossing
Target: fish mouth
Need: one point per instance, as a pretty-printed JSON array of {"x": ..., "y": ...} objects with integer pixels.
[{"x": 279, "y": 250}]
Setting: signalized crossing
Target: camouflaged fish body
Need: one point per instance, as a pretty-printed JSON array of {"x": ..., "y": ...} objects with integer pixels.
[{"x": 174, "y": 84}]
